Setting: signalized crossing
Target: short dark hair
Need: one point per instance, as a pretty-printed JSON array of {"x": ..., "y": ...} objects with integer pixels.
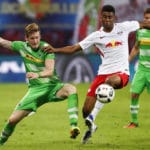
[
  {"x": 108, "y": 8},
  {"x": 147, "y": 11}
]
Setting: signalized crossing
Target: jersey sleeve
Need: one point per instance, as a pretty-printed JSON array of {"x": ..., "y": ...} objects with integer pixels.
[
  {"x": 50, "y": 56},
  {"x": 88, "y": 41},
  {"x": 130, "y": 25},
  {"x": 137, "y": 35},
  {"x": 16, "y": 45}
]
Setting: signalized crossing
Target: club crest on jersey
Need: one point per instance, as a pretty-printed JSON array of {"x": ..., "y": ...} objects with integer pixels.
[{"x": 113, "y": 44}]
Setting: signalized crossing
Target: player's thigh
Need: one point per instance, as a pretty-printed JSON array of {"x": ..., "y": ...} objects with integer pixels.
[
  {"x": 99, "y": 79},
  {"x": 34, "y": 98},
  {"x": 138, "y": 83},
  {"x": 53, "y": 96},
  {"x": 118, "y": 80}
]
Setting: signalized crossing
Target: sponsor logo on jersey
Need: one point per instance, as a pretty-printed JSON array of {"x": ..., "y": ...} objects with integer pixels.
[
  {"x": 29, "y": 57},
  {"x": 113, "y": 44}
]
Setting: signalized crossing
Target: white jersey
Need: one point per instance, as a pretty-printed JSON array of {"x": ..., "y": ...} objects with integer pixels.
[{"x": 112, "y": 47}]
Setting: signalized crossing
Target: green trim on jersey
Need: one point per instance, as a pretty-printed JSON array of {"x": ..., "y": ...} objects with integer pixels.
[
  {"x": 143, "y": 38},
  {"x": 34, "y": 61}
]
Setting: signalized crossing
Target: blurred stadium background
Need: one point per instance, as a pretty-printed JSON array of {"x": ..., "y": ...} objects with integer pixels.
[{"x": 63, "y": 22}]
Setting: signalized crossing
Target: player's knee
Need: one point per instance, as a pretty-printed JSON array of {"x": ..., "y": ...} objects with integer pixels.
[
  {"x": 70, "y": 89},
  {"x": 12, "y": 121},
  {"x": 67, "y": 90}
]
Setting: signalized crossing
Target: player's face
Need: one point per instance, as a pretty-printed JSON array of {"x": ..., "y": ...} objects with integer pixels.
[
  {"x": 108, "y": 19},
  {"x": 147, "y": 17},
  {"x": 34, "y": 39}
]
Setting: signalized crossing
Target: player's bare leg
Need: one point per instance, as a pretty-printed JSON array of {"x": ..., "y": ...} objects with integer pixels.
[
  {"x": 88, "y": 107},
  {"x": 8, "y": 129}
]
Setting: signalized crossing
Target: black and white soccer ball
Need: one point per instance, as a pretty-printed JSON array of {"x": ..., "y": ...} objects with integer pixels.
[{"x": 105, "y": 93}]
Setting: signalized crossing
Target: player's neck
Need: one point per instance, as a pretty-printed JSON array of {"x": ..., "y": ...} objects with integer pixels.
[
  {"x": 35, "y": 49},
  {"x": 108, "y": 29}
]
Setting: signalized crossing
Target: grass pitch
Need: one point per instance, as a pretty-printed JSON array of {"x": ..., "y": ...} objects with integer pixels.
[{"x": 49, "y": 128}]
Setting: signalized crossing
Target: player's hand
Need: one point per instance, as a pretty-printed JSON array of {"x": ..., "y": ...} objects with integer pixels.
[
  {"x": 32, "y": 75},
  {"x": 49, "y": 49}
]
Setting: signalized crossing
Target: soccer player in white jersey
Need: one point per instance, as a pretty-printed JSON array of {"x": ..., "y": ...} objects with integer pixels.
[{"x": 112, "y": 41}]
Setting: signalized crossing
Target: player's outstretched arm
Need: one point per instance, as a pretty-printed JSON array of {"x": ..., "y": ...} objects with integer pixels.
[
  {"x": 5, "y": 43},
  {"x": 66, "y": 49},
  {"x": 134, "y": 52}
]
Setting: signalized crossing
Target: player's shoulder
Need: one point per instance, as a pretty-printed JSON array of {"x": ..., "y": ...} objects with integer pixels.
[
  {"x": 97, "y": 32},
  {"x": 93, "y": 34},
  {"x": 43, "y": 43},
  {"x": 18, "y": 43},
  {"x": 121, "y": 24},
  {"x": 143, "y": 30},
  {"x": 126, "y": 26},
  {"x": 127, "y": 23}
]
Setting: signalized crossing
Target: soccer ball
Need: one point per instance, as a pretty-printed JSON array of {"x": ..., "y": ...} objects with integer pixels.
[{"x": 105, "y": 93}]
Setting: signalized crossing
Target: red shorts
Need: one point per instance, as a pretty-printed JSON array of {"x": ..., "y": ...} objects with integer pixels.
[{"x": 99, "y": 79}]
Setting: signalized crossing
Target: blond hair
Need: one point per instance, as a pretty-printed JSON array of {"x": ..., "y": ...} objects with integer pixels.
[{"x": 30, "y": 28}]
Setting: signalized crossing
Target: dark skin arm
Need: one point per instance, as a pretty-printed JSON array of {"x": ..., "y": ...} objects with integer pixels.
[
  {"x": 66, "y": 49},
  {"x": 134, "y": 52}
]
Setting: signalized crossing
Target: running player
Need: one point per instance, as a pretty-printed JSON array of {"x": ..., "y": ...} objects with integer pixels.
[{"x": 141, "y": 78}]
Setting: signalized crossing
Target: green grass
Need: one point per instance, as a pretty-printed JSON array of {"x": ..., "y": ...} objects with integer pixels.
[{"x": 49, "y": 127}]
